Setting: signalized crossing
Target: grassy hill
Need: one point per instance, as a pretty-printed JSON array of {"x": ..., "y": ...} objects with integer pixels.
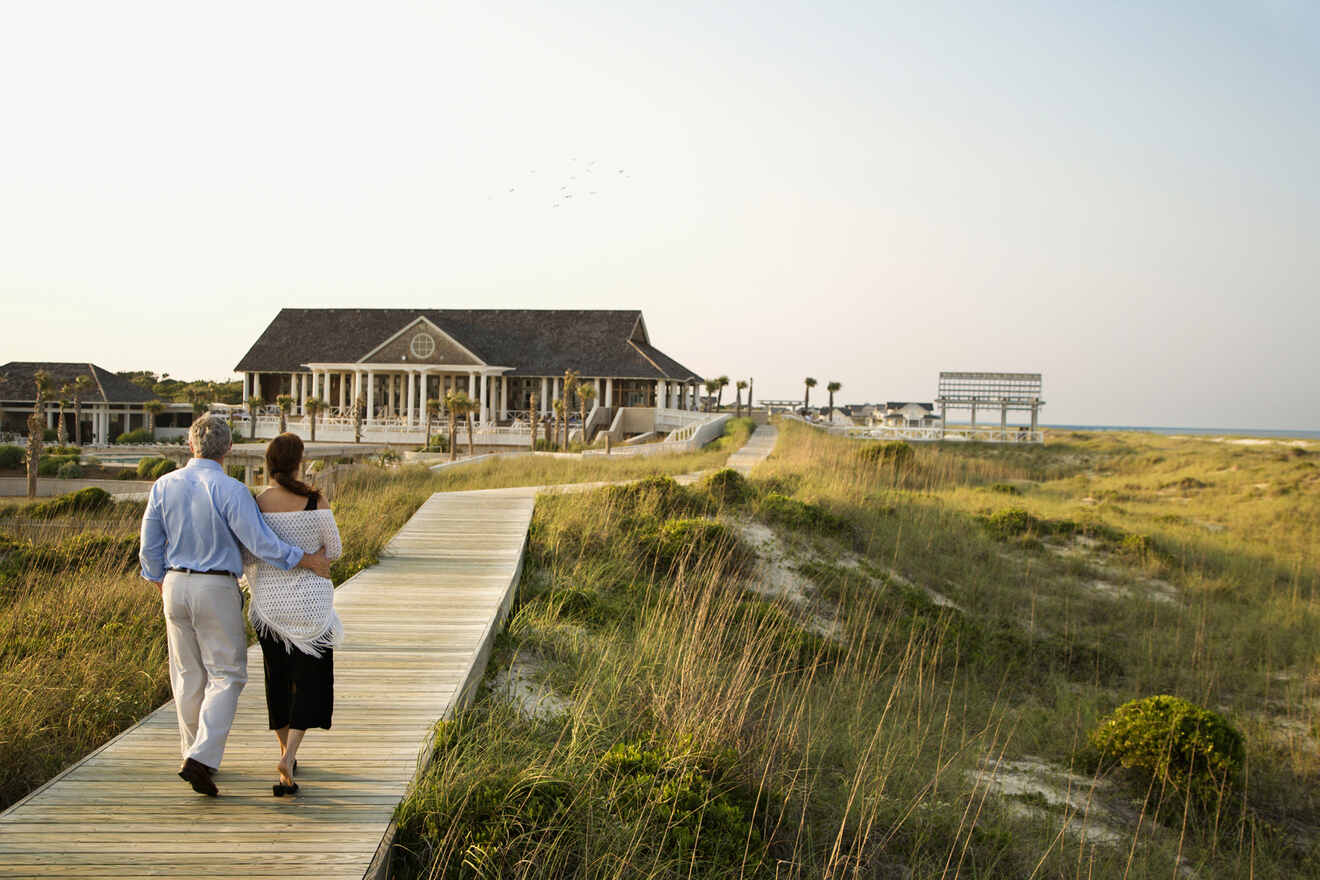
[{"x": 883, "y": 661}]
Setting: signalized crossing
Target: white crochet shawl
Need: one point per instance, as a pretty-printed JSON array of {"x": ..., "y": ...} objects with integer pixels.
[{"x": 296, "y": 607}]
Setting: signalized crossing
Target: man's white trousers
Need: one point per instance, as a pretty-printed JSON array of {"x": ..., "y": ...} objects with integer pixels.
[{"x": 208, "y": 659}]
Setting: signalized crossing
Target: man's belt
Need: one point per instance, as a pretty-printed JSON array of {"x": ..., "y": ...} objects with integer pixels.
[{"x": 195, "y": 571}]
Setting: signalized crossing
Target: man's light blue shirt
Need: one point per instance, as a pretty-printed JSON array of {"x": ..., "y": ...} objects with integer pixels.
[{"x": 197, "y": 516}]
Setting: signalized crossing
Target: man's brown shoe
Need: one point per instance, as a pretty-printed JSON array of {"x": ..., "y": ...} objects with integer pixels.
[{"x": 198, "y": 775}]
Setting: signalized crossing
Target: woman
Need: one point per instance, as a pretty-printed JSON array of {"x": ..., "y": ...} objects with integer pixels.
[{"x": 293, "y": 612}]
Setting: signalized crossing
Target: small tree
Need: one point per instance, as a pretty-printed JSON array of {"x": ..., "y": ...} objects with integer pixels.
[
  {"x": 561, "y": 418},
  {"x": 285, "y": 403},
  {"x": 810, "y": 383},
  {"x": 153, "y": 408},
  {"x": 433, "y": 407},
  {"x": 832, "y": 387},
  {"x": 749, "y": 397},
  {"x": 62, "y": 432},
  {"x": 253, "y": 404},
  {"x": 586, "y": 394},
  {"x": 469, "y": 407},
  {"x": 359, "y": 413},
  {"x": 451, "y": 406},
  {"x": 534, "y": 417},
  {"x": 313, "y": 406},
  {"x": 711, "y": 386},
  {"x": 82, "y": 386},
  {"x": 36, "y": 430},
  {"x": 738, "y": 390},
  {"x": 721, "y": 382}
]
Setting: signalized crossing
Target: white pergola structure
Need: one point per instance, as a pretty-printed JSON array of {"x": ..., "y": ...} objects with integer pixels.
[{"x": 1017, "y": 392}]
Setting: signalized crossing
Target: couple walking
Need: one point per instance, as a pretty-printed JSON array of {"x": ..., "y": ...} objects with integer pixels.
[{"x": 203, "y": 529}]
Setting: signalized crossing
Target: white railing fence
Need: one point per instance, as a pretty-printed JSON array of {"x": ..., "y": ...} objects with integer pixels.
[{"x": 955, "y": 433}]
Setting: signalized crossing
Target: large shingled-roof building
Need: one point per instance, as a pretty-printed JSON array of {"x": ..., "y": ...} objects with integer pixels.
[
  {"x": 110, "y": 406},
  {"x": 397, "y": 359}
]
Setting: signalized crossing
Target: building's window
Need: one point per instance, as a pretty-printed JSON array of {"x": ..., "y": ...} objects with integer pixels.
[{"x": 422, "y": 346}]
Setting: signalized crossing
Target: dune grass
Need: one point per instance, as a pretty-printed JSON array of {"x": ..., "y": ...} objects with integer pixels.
[{"x": 925, "y": 709}]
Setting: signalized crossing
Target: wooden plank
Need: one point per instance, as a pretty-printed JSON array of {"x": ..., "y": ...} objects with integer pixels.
[{"x": 419, "y": 627}]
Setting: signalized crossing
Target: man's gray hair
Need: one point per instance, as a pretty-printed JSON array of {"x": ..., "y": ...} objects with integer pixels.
[{"x": 210, "y": 436}]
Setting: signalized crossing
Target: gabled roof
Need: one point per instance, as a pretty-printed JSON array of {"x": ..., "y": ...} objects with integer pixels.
[
  {"x": 18, "y": 382},
  {"x": 898, "y": 404},
  {"x": 534, "y": 342}
]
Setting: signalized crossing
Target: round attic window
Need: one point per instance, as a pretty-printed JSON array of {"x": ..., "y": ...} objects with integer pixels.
[{"x": 422, "y": 346}]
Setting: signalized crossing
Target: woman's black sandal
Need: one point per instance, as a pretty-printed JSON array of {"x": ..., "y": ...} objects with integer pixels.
[{"x": 280, "y": 789}]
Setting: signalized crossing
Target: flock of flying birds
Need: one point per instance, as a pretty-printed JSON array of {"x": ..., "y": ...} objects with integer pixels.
[{"x": 580, "y": 181}]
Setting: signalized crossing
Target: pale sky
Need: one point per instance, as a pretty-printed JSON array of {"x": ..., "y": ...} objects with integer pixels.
[{"x": 1123, "y": 196}]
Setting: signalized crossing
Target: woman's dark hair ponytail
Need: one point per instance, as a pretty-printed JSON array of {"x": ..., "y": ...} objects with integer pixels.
[{"x": 283, "y": 456}]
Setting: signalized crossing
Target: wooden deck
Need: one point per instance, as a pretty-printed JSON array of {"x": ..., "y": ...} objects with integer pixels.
[{"x": 418, "y": 627}]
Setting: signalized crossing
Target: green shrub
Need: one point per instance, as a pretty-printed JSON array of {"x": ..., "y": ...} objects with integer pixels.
[
  {"x": 1005, "y": 489},
  {"x": 1174, "y": 740},
  {"x": 727, "y": 486},
  {"x": 796, "y": 514},
  {"x": 49, "y": 435},
  {"x": 82, "y": 501},
  {"x": 146, "y": 464},
  {"x": 162, "y": 467},
  {"x": 63, "y": 450},
  {"x": 1011, "y": 522},
  {"x": 657, "y": 496},
  {"x": 70, "y": 470},
  {"x": 48, "y": 466},
  {"x": 705, "y": 815},
  {"x": 438, "y": 443},
  {"x": 802, "y": 648},
  {"x": 141, "y": 435},
  {"x": 126, "y": 475},
  {"x": 11, "y": 456},
  {"x": 897, "y": 453},
  {"x": 673, "y": 540},
  {"x": 235, "y": 471}
]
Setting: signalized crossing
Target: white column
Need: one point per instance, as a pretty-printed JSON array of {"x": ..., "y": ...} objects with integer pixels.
[
  {"x": 293, "y": 391},
  {"x": 412, "y": 393},
  {"x": 545, "y": 395},
  {"x": 371, "y": 394},
  {"x": 609, "y": 391},
  {"x": 504, "y": 397},
  {"x": 481, "y": 401},
  {"x": 659, "y": 393},
  {"x": 393, "y": 380},
  {"x": 247, "y": 386},
  {"x": 558, "y": 384},
  {"x": 472, "y": 384}
]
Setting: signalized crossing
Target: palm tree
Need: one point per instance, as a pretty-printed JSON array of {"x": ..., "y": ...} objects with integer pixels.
[
  {"x": 36, "y": 430},
  {"x": 719, "y": 392},
  {"x": 452, "y": 405},
  {"x": 534, "y": 417},
  {"x": 82, "y": 386},
  {"x": 831, "y": 388},
  {"x": 253, "y": 403},
  {"x": 359, "y": 414},
  {"x": 738, "y": 388},
  {"x": 460, "y": 404},
  {"x": 712, "y": 385},
  {"x": 433, "y": 407},
  {"x": 62, "y": 432},
  {"x": 749, "y": 397},
  {"x": 586, "y": 394},
  {"x": 561, "y": 418},
  {"x": 153, "y": 408},
  {"x": 806, "y": 398},
  {"x": 285, "y": 403},
  {"x": 313, "y": 406}
]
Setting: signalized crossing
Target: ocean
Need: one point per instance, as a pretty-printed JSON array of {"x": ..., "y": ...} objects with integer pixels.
[{"x": 1263, "y": 433}]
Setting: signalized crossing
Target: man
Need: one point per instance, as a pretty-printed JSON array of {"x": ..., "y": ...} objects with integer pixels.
[{"x": 195, "y": 519}]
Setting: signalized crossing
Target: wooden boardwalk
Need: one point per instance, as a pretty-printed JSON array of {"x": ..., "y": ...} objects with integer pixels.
[
  {"x": 756, "y": 450},
  {"x": 418, "y": 629}
]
